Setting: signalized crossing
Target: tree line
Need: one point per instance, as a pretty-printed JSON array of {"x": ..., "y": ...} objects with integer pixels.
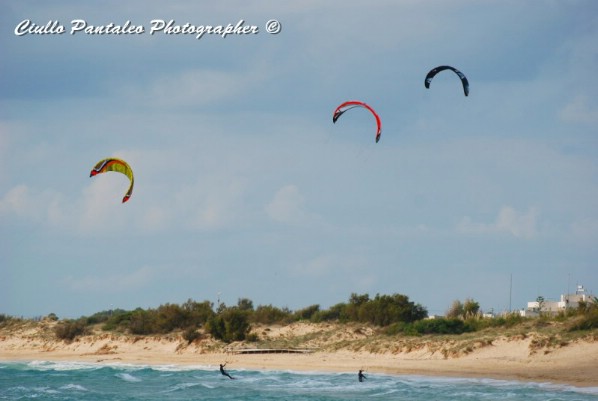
[
  {"x": 394, "y": 314},
  {"x": 233, "y": 323}
]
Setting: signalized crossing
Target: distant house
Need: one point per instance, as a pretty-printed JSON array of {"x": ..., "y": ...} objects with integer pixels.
[
  {"x": 429, "y": 317},
  {"x": 569, "y": 301}
]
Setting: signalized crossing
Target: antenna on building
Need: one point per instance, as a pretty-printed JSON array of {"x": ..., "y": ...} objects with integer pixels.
[
  {"x": 510, "y": 292},
  {"x": 568, "y": 281},
  {"x": 568, "y": 291}
]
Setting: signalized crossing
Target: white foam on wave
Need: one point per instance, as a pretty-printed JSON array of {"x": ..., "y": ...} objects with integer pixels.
[
  {"x": 415, "y": 380},
  {"x": 76, "y": 387},
  {"x": 75, "y": 365},
  {"x": 181, "y": 386},
  {"x": 410, "y": 380},
  {"x": 62, "y": 365},
  {"x": 128, "y": 377},
  {"x": 385, "y": 393},
  {"x": 180, "y": 368},
  {"x": 566, "y": 387},
  {"x": 43, "y": 390}
]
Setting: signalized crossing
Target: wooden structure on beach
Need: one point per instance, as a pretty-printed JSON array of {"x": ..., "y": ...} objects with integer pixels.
[{"x": 270, "y": 351}]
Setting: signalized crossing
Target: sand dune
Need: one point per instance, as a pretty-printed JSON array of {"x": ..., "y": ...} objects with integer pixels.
[{"x": 341, "y": 348}]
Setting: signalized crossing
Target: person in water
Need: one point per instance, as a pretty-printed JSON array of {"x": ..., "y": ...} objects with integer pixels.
[
  {"x": 224, "y": 372},
  {"x": 360, "y": 375}
]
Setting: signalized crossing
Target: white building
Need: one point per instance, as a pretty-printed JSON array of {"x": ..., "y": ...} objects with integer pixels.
[{"x": 569, "y": 301}]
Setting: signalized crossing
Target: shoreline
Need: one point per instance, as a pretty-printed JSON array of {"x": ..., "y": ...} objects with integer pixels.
[
  {"x": 544, "y": 370},
  {"x": 416, "y": 370},
  {"x": 517, "y": 358}
]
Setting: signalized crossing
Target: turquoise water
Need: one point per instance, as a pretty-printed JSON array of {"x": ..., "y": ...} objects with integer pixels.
[{"x": 85, "y": 381}]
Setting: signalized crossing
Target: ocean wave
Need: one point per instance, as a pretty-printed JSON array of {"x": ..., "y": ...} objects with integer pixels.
[
  {"x": 76, "y": 387},
  {"x": 181, "y": 387},
  {"x": 44, "y": 365},
  {"x": 128, "y": 377},
  {"x": 61, "y": 366},
  {"x": 300, "y": 381},
  {"x": 45, "y": 390}
]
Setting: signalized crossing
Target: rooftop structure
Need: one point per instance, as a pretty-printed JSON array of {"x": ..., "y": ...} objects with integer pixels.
[{"x": 568, "y": 301}]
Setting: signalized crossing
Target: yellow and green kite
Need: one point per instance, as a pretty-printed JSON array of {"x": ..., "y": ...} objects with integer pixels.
[{"x": 118, "y": 165}]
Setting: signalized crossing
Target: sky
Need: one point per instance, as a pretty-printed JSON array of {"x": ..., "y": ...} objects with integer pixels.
[{"x": 245, "y": 188}]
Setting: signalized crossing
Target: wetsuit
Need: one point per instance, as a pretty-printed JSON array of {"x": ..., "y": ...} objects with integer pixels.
[
  {"x": 361, "y": 376},
  {"x": 224, "y": 372}
]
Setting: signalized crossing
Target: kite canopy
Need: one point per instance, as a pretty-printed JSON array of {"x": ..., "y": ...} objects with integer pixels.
[
  {"x": 117, "y": 165},
  {"x": 436, "y": 70},
  {"x": 355, "y": 103}
]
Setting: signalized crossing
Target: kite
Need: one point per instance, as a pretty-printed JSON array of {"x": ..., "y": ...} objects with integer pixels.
[
  {"x": 355, "y": 103},
  {"x": 436, "y": 70},
  {"x": 118, "y": 165}
]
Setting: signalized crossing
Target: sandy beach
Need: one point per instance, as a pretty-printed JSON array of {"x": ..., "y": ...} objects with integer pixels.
[{"x": 516, "y": 358}]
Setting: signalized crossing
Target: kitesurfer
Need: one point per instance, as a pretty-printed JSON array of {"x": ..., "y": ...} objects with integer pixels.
[
  {"x": 224, "y": 372},
  {"x": 360, "y": 375}
]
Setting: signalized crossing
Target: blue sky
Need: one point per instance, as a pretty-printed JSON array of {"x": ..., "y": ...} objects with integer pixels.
[{"x": 244, "y": 188}]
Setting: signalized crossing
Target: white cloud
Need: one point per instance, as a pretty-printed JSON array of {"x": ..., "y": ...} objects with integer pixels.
[
  {"x": 155, "y": 218},
  {"x": 507, "y": 221},
  {"x": 40, "y": 206},
  {"x": 288, "y": 206},
  {"x": 196, "y": 87},
  {"x": 585, "y": 230},
  {"x": 98, "y": 208},
  {"x": 519, "y": 225},
  {"x": 102, "y": 208},
  {"x": 580, "y": 110},
  {"x": 320, "y": 266},
  {"x": 212, "y": 203},
  {"x": 349, "y": 270},
  {"x": 16, "y": 201}
]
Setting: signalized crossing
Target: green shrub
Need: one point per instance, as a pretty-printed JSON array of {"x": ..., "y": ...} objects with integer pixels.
[
  {"x": 336, "y": 312},
  {"x": 586, "y": 321},
  {"x": 169, "y": 317},
  {"x": 143, "y": 322},
  {"x": 510, "y": 320},
  {"x": 268, "y": 314},
  {"x": 231, "y": 324},
  {"x": 52, "y": 317},
  {"x": 430, "y": 326},
  {"x": 198, "y": 313},
  {"x": 245, "y": 304},
  {"x": 441, "y": 326},
  {"x": 118, "y": 320},
  {"x": 383, "y": 310},
  {"x": 70, "y": 329},
  {"x": 400, "y": 328},
  {"x": 165, "y": 319},
  {"x": 191, "y": 334},
  {"x": 104, "y": 316},
  {"x": 306, "y": 313}
]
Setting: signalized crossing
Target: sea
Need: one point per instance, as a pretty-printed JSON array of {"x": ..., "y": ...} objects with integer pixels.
[{"x": 44, "y": 380}]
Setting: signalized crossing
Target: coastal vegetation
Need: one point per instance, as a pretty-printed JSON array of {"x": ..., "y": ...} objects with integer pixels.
[{"x": 389, "y": 315}]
